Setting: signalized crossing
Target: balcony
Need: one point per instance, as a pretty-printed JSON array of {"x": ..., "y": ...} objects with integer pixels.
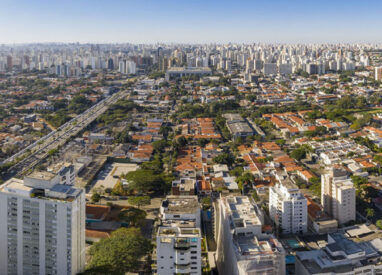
[
  {"x": 182, "y": 243},
  {"x": 182, "y": 268}
]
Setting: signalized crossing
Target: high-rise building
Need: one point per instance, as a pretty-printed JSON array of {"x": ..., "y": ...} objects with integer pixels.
[
  {"x": 43, "y": 226},
  {"x": 179, "y": 250},
  {"x": 9, "y": 62},
  {"x": 285, "y": 69},
  {"x": 288, "y": 208},
  {"x": 270, "y": 68},
  {"x": 338, "y": 195},
  {"x": 243, "y": 248},
  {"x": 378, "y": 73},
  {"x": 110, "y": 64},
  {"x": 179, "y": 238}
]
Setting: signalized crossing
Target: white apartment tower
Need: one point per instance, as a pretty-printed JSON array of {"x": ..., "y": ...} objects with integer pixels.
[
  {"x": 288, "y": 208},
  {"x": 242, "y": 246},
  {"x": 179, "y": 237},
  {"x": 43, "y": 226},
  {"x": 338, "y": 195},
  {"x": 179, "y": 250}
]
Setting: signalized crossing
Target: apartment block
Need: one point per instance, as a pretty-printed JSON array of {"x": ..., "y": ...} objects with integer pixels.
[
  {"x": 43, "y": 226},
  {"x": 243, "y": 248},
  {"x": 179, "y": 238},
  {"x": 179, "y": 250},
  {"x": 338, "y": 195},
  {"x": 288, "y": 208}
]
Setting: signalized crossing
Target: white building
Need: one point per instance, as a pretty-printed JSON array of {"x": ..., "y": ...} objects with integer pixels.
[
  {"x": 131, "y": 67},
  {"x": 242, "y": 246},
  {"x": 65, "y": 172},
  {"x": 181, "y": 208},
  {"x": 43, "y": 226},
  {"x": 288, "y": 208},
  {"x": 179, "y": 237},
  {"x": 270, "y": 68},
  {"x": 285, "y": 69},
  {"x": 179, "y": 250},
  {"x": 338, "y": 195},
  {"x": 341, "y": 256}
]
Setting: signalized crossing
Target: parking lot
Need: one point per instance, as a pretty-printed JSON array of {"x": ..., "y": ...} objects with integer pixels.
[{"x": 110, "y": 174}]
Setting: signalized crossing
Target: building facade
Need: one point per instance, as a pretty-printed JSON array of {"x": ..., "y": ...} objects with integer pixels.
[
  {"x": 43, "y": 228},
  {"x": 338, "y": 195},
  {"x": 243, "y": 248},
  {"x": 288, "y": 208}
]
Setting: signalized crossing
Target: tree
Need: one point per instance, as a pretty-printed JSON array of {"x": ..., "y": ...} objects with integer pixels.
[
  {"x": 159, "y": 145},
  {"x": 224, "y": 158},
  {"x": 120, "y": 253},
  {"x": 134, "y": 216},
  {"x": 52, "y": 152},
  {"x": 206, "y": 202},
  {"x": 255, "y": 196},
  {"x": 181, "y": 141},
  {"x": 370, "y": 212},
  {"x": 139, "y": 200},
  {"x": 244, "y": 179},
  {"x": 379, "y": 224},
  {"x": 298, "y": 154},
  {"x": 96, "y": 197},
  {"x": 143, "y": 180},
  {"x": 237, "y": 171}
]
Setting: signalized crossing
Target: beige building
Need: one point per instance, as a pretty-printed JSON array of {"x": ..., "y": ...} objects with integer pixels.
[
  {"x": 338, "y": 195},
  {"x": 378, "y": 73}
]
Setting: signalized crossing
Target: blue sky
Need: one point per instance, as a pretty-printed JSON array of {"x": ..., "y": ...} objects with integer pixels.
[{"x": 192, "y": 21}]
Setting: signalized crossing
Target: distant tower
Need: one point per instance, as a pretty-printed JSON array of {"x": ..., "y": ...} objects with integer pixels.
[
  {"x": 110, "y": 64},
  {"x": 9, "y": 62}
]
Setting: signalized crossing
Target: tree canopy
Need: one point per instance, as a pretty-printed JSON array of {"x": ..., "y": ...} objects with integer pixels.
[{"x": 120, "y": 253}]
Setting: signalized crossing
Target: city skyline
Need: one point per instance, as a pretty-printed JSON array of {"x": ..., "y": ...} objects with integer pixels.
[{"x": 196, "y": 22}]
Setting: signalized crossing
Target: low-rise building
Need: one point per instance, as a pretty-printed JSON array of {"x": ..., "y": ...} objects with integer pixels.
[{"x": 341, "y": 256}]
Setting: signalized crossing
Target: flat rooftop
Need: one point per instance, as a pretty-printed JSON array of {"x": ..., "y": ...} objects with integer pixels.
[
  {"x": 41, "y": 175},
  {"x": 242, "y": 211},
  {"x": 58, "y": 191},
  {"x": 15, "y": 186},
  {"x": 178, "y": 232},
  {"x": 180, "y": 204}
]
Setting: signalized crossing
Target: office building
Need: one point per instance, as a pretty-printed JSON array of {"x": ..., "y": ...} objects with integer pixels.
[
  {"x": 338, "y": 195},
  {"x": 43, "y": 226},
  {"x": 288, "y": 208},
  {"x": 243, "y": 248}
]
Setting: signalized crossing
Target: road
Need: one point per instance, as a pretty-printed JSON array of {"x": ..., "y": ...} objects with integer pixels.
[{"x": 38, "y": 151}]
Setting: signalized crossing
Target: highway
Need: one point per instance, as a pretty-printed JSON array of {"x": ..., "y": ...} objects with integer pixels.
[{"x": 38, "y": 151}]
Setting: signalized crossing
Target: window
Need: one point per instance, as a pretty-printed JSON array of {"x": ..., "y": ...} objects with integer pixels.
[{"x": 194, "y": 257}]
